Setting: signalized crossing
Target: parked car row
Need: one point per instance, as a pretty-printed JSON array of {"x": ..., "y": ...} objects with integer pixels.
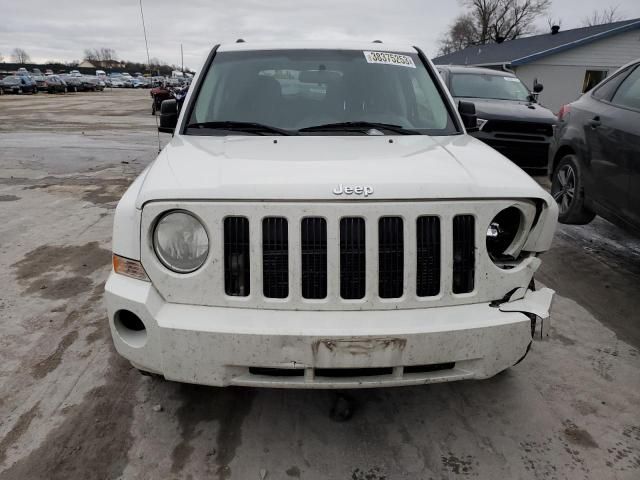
[
  {"x": 34, "y": 82},
  {"x": 125, "y": 80},
  {"x": 23, "y": 81}
]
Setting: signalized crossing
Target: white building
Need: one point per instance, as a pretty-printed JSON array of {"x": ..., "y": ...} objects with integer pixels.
[{"x": 567, "y": 63}]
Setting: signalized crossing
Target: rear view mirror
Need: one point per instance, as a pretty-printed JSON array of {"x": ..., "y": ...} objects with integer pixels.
[
  {"x": 319, "y": 76},
  {"x": 467, "y": 112},
  {"x": 168, "y": 116}
]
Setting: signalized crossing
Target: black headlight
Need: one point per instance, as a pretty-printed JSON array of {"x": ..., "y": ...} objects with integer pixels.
[{"x": 504, "y": 230}]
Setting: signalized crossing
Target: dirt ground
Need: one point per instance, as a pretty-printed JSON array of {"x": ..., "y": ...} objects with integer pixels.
[{"x": 71, "y": 408}]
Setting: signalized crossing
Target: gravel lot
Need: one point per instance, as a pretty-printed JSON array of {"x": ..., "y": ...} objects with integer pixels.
[{"x": 70, "y": 408}]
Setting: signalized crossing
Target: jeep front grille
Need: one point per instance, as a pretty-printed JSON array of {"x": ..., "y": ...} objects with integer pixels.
[
  {"x": 352, "y": 245},
  {"x": 334, "y": 255}
]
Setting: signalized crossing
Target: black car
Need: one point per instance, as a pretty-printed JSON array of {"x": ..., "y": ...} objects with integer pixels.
[
  {"x": 55, "y": 84},
  {"x": 509, "y": 118},
  {"x": 18, "y": 84},
  {"x": 74, "y": 84},
  {"x": 594, "y": 161}
]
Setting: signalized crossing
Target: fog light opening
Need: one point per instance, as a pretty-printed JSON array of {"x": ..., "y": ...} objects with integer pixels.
[{"x": 130, "y": 328}]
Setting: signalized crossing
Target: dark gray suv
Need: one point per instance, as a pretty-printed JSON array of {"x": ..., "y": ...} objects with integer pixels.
[
  {"x": 509, "y": 117},
  {"x": 594, "y": 159}
]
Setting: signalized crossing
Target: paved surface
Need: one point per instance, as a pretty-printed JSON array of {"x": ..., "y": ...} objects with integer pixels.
[{"x": 70, "y": 408}]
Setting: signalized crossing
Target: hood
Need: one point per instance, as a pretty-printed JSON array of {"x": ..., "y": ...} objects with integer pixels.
[
  {"x": 490, "y": 109},
  {"x": 311, "y": 167}
]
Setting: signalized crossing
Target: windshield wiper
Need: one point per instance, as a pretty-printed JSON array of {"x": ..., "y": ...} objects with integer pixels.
[
  {"x": 360, "y": 126},
  {"x": 249, "y": 127}
]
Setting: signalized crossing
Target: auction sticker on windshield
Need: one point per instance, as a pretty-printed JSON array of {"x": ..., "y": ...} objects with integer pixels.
[{"x": 386, "y": 58}]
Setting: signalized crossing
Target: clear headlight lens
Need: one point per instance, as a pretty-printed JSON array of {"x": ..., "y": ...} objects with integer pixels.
[
  {"x": 181, "y": 242},
  {"x": 502, "y": 233}
]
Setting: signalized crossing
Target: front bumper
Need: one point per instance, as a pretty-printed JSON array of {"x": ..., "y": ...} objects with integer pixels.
[{"x": 223, "y": 346}]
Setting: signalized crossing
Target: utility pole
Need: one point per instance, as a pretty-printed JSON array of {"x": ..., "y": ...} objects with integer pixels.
[{"x": 182, "y": 58}]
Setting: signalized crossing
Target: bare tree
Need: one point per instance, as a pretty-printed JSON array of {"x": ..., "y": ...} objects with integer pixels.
[
  {"x": 90, "y": 55},
  {"x": 20, "y": 56},
  {"x": 601, "y": 17},
  {"x": 107, "y": 54},
  {"x": 461, "y": 34},
  {"x": 505, "y": 19},
  {"x": 99, "y": 56},
  {"x": 487, "y": 21}
]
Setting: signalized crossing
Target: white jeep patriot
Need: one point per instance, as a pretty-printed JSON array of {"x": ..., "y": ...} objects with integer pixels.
[{"x": 321, "y": 219}]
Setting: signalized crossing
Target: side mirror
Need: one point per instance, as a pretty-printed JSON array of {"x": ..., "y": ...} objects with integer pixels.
[
  {"x": 168, "y": 116},
  {"x": 537, "y": 87},
  {"x": 467, "y": 112}
]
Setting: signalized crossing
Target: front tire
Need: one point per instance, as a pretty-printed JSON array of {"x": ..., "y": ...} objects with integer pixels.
[{"x": 568, "y": 191}]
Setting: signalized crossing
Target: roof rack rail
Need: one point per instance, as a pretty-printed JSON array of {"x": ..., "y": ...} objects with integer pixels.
[
  {"x": 377, "y": 41},
  {"x": 240, "y": 40}
]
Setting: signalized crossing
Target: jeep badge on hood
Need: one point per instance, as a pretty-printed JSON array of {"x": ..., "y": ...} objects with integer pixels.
[{"x": 365, "y": 190}]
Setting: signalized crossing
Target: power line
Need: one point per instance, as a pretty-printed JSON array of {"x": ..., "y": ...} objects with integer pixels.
[{"x": 146, "y": 43}]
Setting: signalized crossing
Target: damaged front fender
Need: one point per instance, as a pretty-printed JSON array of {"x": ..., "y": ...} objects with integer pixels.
[{"x": 536, "y": 303}]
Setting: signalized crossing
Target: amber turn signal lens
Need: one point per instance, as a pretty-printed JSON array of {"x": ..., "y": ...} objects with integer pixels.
[{"x": 129, "y": 268}]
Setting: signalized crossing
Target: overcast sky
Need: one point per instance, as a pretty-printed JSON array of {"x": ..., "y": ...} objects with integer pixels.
[{"x": 63, "y": 29}]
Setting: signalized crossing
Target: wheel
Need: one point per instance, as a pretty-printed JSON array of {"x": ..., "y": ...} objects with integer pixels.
[{"x": 568, "y": 191}]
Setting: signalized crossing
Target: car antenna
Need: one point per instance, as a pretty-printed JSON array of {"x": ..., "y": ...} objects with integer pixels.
[{"x": 146, "y": 43}]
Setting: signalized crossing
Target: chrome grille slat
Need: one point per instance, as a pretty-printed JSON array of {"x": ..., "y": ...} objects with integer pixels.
[
  {"x": 463, "y": 254},
  {"x": 390, "y": 257},
  {"x": 275, "y": 257},
  {"x": 236, "y": 257},
  {"x": 314, "y": 258},
  {"x": 428, "y": 240},
  {"x": 352, "y": 258}
]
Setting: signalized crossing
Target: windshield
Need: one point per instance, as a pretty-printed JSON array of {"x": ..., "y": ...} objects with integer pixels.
[
  {"x": 297, "y": 89},
  {"x": 498, "y": 87}
]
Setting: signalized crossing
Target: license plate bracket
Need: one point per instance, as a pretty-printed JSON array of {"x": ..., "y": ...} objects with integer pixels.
[{"x": 359, "y": 352}]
